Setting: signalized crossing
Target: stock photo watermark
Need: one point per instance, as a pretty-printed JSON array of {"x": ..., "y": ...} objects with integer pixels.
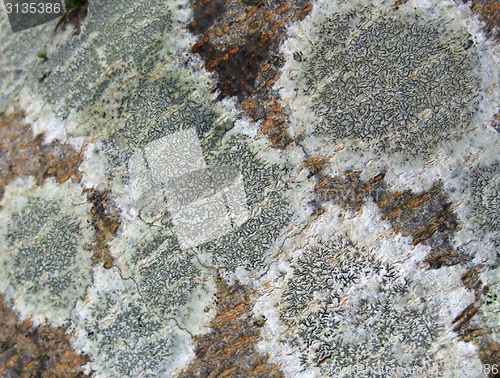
[
  {"x": 427, "y": 370},
  {"x": 26, "y": 14},
  {"x": 205, "y": 202}
]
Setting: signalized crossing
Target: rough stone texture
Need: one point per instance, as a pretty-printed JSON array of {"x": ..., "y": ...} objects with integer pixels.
[
  {"x": 26, "y": 155},
  {"x": 426, "y": 217},
  {"x": 27, "y": 351},
  {"x": 366, "y": 136},
  {"x": 105, "y": 219},
  {"x": 490, "y": 13},
  {"x": 240, "y": 41},
  {"x": 228, "y": 350}
]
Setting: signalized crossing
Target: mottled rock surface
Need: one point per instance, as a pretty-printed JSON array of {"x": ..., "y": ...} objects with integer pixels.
[{"x": 330, "y": 207}]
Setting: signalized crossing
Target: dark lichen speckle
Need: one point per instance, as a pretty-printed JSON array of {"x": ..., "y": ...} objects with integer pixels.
[
  {"x": 485, "y": 197},
  {"x": 333, "y": 335},
  {"x": 44, "y": 261}
]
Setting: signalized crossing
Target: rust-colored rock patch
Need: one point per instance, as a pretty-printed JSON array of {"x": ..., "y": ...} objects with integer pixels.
[
  {"x": 25, "y": 155},
  {"x": 240, "y": 41},
  {"x": 348, "y": 190},
  {"x": 26, "y": 351},
  {"x": 105, "y": 220},
  {"x": 489, "y": 11},
  {"x": 427, "y": 217},
  {"x": 489, "y": 353},
  {"x": 228, "y": 351}
]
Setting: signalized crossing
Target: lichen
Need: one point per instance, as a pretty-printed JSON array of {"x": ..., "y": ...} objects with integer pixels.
[
  {"x": 367, "y": 88},
  {"x": 490, "y": 308},
  {"x": 266, "y": 193},
  {"x": 347, "y": 297},
  {"x": 485, "y": 198},
  {"x": 44, "y": 260},
  {"x": 124, "y": 337},
  {"x": 171, "y": 281},
  {"x": 342, "y": 330},
  {"x": 478, "y": 214},
  {"x": 175, "y": 281},
  {"x": 384, "y": 79}
]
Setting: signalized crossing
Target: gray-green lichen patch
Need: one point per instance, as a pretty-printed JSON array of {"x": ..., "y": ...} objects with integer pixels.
[
  {"x": 19, "y": 52},
  {"x": 117, "y": 37},
  {"x": 168, "y": 101},
  {"x": 348, "y": 295},
  {"x": 124, "y": 67},
  {"x": 485, "y": 198},
  {"x": 265, "y": 181},
  {"x": 178, "y": 282},
  {"x": 410, "y": 91},
  {"x": 45, "y": 264},
  {"x": 120, "y": 87},
  {"x": 123, "y": 335},
  {"x": 477, "y": 194},
  {"x": 374, "y": 326},
  {"x": 172, "y": 281},
  {"x": 125, "y": 82},
  {"x": 490, "y": 308},
  {"x": 383, "y": 83}
]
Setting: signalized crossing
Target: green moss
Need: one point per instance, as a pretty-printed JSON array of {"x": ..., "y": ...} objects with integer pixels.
[
  {"x": 75, "y": 4},
  {"x": 42, "y": 54}
]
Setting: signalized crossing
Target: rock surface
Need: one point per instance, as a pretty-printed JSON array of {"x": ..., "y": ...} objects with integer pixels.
[{"x": 329, "y": 207}]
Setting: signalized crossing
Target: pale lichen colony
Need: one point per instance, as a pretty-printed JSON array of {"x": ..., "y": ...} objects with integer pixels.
[{"x": 407, "y": 90}]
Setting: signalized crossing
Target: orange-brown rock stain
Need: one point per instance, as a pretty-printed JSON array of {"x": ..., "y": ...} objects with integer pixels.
[
  {"x": 105, "y": 220},
  {"x": 239, "y": 40},
  {"x": 22, "y": 154},
  {"x": 229, "y": 349},
  {"x": 27, "y": 351}
]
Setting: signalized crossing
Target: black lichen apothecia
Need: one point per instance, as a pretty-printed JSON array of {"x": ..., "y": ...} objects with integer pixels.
[
  {"x": 45, "y": 263},
  {"x": 349, "y": 308},
  {"x": 397, "y": 84}
]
